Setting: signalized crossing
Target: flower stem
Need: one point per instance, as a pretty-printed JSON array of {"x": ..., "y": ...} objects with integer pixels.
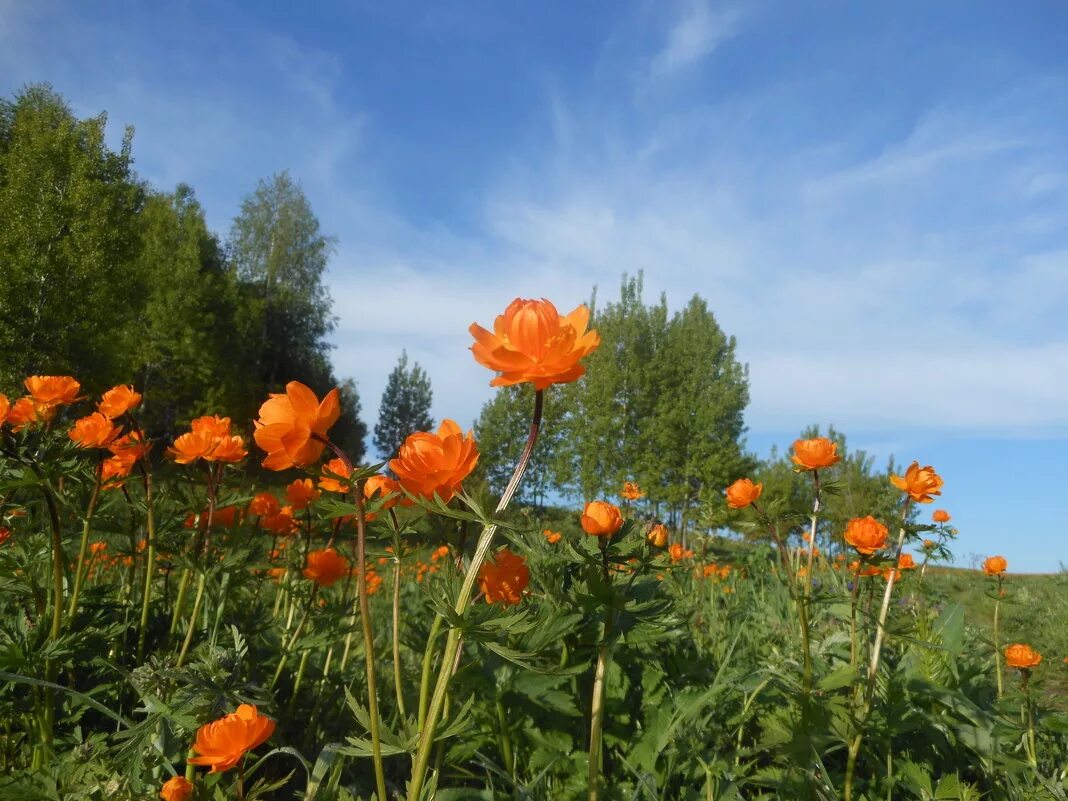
[
  {"x": 597, "y": 713},
  {"x": 150, "y": 564},
  {"x": 452, "y": 644},
  {"x": 997, "y": 644},
  {"x": 398, "y": 678},
  {"x": 83, "y": 549},
  {"x": 368, "y": 642}
]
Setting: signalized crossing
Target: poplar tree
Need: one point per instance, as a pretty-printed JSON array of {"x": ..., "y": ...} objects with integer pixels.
[{"x": 405, "y": 407}]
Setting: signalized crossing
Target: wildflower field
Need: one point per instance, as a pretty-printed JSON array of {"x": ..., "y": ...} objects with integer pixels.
[{"x": 179, "y": 622}]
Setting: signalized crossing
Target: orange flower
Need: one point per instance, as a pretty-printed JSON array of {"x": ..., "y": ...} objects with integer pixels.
[
  {"x": 439, "y": 553},
  {"x": 26, "y": 411},
  {"x": 281, "y": 523},
  {"x": 264, "y": 505},
  {"x": 335, "y": 467},
  {"x": 212, "y": 424},
  {"x": 326, "y": 566},
  {"x": 119, "y": 400},
  {"x": 129, "y": 447},
  {"x": 995, "y": 565},
  {"x": 742, "y": 493},
  {"x": 815, "y": 454},
  {"x": 632, "y": 491},
  {"x": 1022, "y": 657},
  {"x": 301, "y": 493},
  {"x": 5, "y": 532},
  {"x": 93, "y": 431},
  {"x": 906, "y": 562},
  {"x": 229, "y": 449},
  {"x": 503, "y": 578},
  {"x": 192, "y": 446},
  {"x": 658, "y": 535},
  {"x": 532, "y": 342},
  {"x": 929, "y": 544},
  {"x": 676, "y": 552},
  {"x": 5, "y": 407},
  {"x": 856, "y": 568},
  {"x": 176, "y": 788},
  {"x": 113, "y": 470},
  {"x": 601, "y": 518},
  {"x": 435, "y": 463},
  {"x": 291, "y": 427},
  {"x": 52, "y": 390},
  {"x": 919, "y": 483},
  {"x": 382, "y": 488},
  {"x": 97, "y": 547},
  {"x": 374, "y": 582},
  {"x": 940, "y": 516},
  {"x": 866, "y": 534},
  {"x": 222, "y": 743},
  {"x": 552, "y": 537}
]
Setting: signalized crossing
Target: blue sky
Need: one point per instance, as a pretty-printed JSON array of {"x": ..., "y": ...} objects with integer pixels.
[{"x": 872, "y": 197}]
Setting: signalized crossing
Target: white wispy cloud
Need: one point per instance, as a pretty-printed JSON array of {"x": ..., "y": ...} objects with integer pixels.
[{"x": 697, "y": 32}]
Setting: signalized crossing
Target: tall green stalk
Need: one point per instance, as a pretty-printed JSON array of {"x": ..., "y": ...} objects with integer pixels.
[{"x": 83, "y": 549}]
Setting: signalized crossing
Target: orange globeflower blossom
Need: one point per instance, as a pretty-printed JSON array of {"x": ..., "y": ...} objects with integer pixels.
[
  {"x": 995, "y": 565},
  {"x": 503, "y": 578},
  {"x": 815, "y": 453},
  {"x": 632, "y": 491},
  {"x": 176, "y": 788},
  {"x": 532, "y": 342},
  {"x": 326, "y": 566},
  {"x": 866, "y": 570},
  {"x": 658, "y": 535},
  {"x": 292, "y": 427},
  {"x": 129, "y": 447},
  {"x": 119, "y": 400},
  {"x": 335, "y": 467},
  {"x": 439, "y": 553},
  {"x": 5, "y": 407},
  {"x": 382, "y": 488},
  {"x": 435, "y": 463},
  {"x": 906, "y": 562},
  {"x": 940, "y": 516},
  {"x": 301, "y": 493},
  {"x": 191, "y": 446},
  {"x": 229, "y": 449},
  {"x": 676, "y": 552},
  {"x": 26, "y": 411},
  {"x": 742, "y": 493},
  {"x": 52, "y": 390},
  {"x": 1021, "y": 656},
  {"x": 866, "y": 534},
  {"x": 552, "y": 537},
  {"x": 919, "y": 483},
  {"x": 264, "y": 505},
  {"x": 601, "y": 518},
  {"x": 212, "y": 424},
  {"x": 281, "y": 523},
  {"x": 93, "y": 431},
  {"x": 113, "y": 470},
  {"x": 222, "y": 743}
]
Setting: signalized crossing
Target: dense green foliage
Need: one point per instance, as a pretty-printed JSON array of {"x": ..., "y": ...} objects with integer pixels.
[{"x": 115, "y": 281}]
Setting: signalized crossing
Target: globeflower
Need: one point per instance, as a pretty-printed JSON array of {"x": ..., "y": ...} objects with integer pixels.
[
  {"x": 429, "y": 464},
  {"x": 52, "y": 390},
  {"x": 5, "y": 407},
  {"x": 742, "y": 493},
  {"x": 1021, "y": 656},
  {"x": 815, "y": 454},
  {"x": 301, "y": 493},
  {"x": 940, "y": 516},
  {"x": 264, "y": 504},
  {"x": 531, "y": 342},
  {"x": 26, "y": 411},
  {"x": 118, "y": 400},
  {"x": 995, "y": 565},
  {"x": 866, "y": 534},
  {"x": 292, "y": 427},
  {"x": 176, "y": 788},
  {"x": 93, "y": 431},
  {"x": 601, "y": 519},
  {"x": 191, "y": 446},
  {"x": 657, "y": 536},
  {"x": 632, "y": 491},
  {"x": 906, "y": 562},
  {"x": 503, "y": 578},
  {"x": 552, "y": 537},
  {"x": 222, "y": 743},
  {"x": 326, "y": 566},
  {"x": 919, "y": 483},
  {"x": 382, "y": 488},
  {"x": 332, "y": 469}
]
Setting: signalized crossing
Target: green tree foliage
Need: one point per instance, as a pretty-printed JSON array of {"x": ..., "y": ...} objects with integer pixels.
[
  {"x": 405, "y": 406},
  {"x": 68, "y": 238}
]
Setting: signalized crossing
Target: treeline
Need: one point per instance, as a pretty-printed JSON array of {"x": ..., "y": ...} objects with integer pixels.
[{"x": 109, "y": 279}]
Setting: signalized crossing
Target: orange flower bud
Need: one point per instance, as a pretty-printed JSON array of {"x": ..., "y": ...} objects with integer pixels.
[
  {"x": 919, "y": 483},
  {"x": 658, "y": 536},
  {"x": 429, "y": 464},
  {"x": 326, "y": 566},
  {"x": 1021, "y": 656},
  {"x": 93, "y": 431},
  {"x": 601, "y": 518},
  {"x": 632, "y": 491},
  {"x": 52, "y": 390},
  {"x": 176, "y": 788},
  {"x": 301, "y": 493},
  {"x": 117, "y": 401},
  {"x": 742, "y": 493},
  {"x": 815, "y": 454},
  {"x": 503, "y": 578},
  {"x": 866, "y": 534},
  {"x": 291, "y": 427},
  {"x": 532, "y": 342},
  {"x": 995, "y": 565},
  {"x": 940, "y": 516},
  {"x": 223, "y": 743}
]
